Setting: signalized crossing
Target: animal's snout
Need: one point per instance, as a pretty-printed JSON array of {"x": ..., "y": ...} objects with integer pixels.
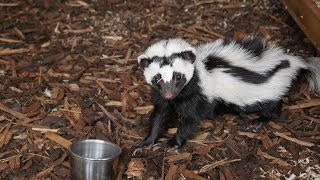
[
  {"x": 168, "y": 95},
  {"x": 168, "y": 90}
]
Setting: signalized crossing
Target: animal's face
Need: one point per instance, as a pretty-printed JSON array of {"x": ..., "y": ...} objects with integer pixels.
[{"x": 168, "y": 66}]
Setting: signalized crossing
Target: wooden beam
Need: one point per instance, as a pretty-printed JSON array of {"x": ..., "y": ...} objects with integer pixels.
[{"x": 307, "y": 14}]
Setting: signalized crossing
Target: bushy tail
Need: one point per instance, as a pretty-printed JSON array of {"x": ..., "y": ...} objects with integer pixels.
[{"x": 314, "y": 77}]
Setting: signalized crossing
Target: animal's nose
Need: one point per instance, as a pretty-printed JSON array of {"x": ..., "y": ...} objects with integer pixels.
[{"x": 168, "y": 95}]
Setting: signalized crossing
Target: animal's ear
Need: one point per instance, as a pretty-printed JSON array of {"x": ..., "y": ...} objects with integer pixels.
[
  {"x": 143, "y": 61},
  {"x": 189, "y": 54}
]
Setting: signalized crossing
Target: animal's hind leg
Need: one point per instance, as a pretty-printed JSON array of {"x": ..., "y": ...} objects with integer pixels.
[{"x": 271, "y": 110}]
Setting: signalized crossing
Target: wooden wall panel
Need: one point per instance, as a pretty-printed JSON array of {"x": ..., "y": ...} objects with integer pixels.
[{"x": 307, "y": 14}]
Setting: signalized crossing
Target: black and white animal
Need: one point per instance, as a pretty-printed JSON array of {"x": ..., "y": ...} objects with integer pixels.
[{"x": 197, "y": 82}]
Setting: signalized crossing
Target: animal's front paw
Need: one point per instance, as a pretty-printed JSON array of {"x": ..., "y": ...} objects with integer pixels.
[
  {"x": 176, "y": 142},
  {"x": 143, "y": 145},
  {"x": 146, "y": 142}
]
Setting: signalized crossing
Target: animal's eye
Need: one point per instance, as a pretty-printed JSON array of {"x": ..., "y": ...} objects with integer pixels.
[
  {"x": 178, "y": 77},
  {"x": 157, "y": 78}
]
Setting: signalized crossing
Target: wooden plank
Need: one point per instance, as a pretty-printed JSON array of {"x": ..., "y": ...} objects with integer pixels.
[{"x": 307, "y": 14}]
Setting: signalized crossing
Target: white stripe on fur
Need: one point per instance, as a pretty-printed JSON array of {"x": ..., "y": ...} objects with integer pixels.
[
  {"x": 150, "y": 71},
  {"x": 166, "y": 73},
  {"x": 157, "y": 49},
  {"x": 165, "y": 48},
  {"x": 314, "y": 78},
  {"x": 183, "y": 67}
]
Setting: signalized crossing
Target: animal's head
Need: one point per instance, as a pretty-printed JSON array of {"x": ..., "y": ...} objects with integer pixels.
[{"x": 168, "y": 66}]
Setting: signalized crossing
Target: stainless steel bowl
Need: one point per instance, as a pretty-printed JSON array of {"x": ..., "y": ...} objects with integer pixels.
[{"x": 94, "y": 159}]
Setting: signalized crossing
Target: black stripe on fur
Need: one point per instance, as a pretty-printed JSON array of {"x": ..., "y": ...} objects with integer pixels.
[{"x": 245, "y": 75}]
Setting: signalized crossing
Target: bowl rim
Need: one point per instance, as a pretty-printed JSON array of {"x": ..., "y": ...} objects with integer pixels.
[{"x": 95, "y": 141}]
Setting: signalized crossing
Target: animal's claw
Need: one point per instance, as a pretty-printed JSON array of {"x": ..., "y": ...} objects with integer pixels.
[
  {"x": 176, "y": 142},
  {"x": 152, "y": 147}
]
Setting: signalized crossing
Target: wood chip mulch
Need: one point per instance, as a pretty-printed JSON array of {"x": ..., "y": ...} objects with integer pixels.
[{"x": 68, "y": 71}]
